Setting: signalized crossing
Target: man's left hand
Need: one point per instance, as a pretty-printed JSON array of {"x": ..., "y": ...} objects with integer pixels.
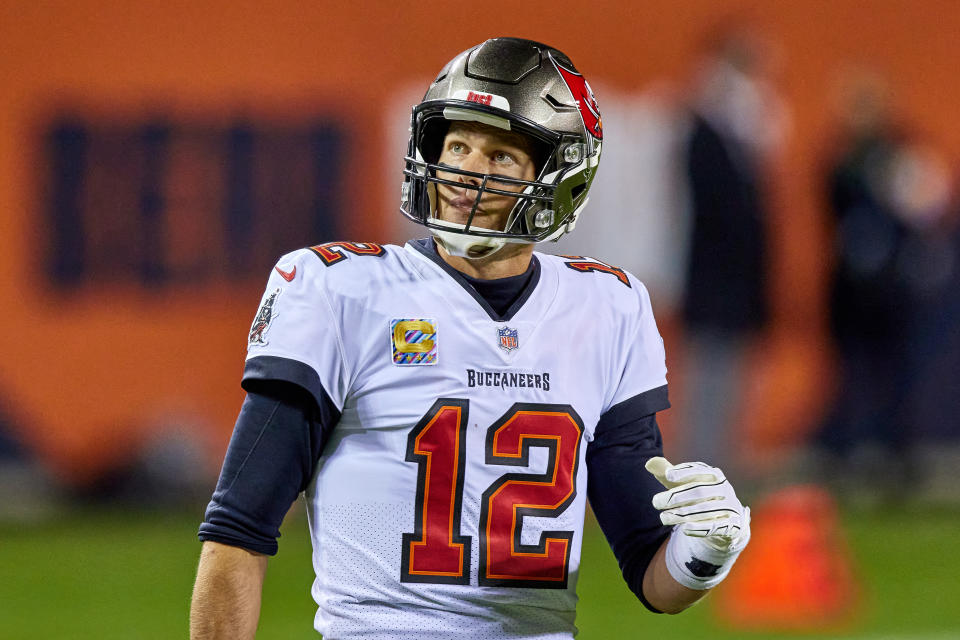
[{"x": 701, "y": 502}]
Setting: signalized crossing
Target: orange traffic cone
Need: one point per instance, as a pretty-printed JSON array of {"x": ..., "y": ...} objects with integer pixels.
[{"x": 796, "y": 573}]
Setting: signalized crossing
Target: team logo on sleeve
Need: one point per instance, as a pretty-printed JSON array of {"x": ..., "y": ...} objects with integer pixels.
[
  {"x": 413, "y": 341},
  {"x": 509, "y": 338},
  {"x": 264, "y": 318}
]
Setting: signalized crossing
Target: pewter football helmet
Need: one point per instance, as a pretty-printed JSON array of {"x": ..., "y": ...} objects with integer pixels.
[{"x": 516, "y": 85}]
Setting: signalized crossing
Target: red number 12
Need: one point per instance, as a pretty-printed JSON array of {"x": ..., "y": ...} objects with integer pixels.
[{"x": 436, "y": 552}]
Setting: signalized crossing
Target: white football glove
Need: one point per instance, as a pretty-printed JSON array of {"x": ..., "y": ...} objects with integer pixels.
[{"x": 711, "y": 525}]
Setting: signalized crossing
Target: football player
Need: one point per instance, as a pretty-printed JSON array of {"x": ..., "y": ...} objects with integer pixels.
[{"x": 449, "y": 406}]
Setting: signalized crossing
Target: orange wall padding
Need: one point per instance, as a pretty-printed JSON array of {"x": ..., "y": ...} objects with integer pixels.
[{"x": 90, "y": 375}]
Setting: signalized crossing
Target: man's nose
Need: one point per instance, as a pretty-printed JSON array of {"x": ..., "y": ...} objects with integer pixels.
[{"x": 476, "y": 163}]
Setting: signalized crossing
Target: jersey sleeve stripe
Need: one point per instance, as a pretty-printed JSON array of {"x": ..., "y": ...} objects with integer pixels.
[
  {"x": 642, "y": 404},
  {"x": 277, "y": 368}
]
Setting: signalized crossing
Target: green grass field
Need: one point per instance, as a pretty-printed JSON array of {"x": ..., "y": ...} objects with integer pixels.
[{"x": 105, "y": 575}]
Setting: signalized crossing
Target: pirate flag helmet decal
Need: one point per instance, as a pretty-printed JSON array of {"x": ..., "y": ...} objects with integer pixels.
[{"x": 585, "y": 101}]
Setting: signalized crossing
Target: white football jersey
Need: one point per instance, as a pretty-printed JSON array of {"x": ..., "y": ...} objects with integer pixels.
[{"x": 449, "y": 499}]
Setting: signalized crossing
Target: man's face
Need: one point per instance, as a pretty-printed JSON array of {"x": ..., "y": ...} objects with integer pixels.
[{"x": 480, "y": 148}]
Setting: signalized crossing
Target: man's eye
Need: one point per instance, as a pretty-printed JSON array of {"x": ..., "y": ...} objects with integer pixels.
[
  {"x": 503, "y": 157},
  {"x": 457, "y": 147}
]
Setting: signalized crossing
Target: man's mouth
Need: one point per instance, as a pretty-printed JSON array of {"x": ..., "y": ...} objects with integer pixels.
[{"x": 463, "y": 203}]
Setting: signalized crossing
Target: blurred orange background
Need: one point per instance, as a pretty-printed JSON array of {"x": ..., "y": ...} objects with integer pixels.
[{"x": 89, "y": 374}]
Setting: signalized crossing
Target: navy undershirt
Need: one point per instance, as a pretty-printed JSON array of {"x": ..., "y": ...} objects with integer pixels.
[
  {"x": 501, "y": 298},
  {"x": 501, "y": 293},
  {"x": 283, "y": 427}
]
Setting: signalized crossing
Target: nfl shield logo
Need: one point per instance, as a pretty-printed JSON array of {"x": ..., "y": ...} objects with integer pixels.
[{"x": 508, "y": 338}]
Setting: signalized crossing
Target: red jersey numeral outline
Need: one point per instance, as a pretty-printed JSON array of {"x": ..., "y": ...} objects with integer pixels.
[
  {"x": 333, "y": 252},
  {"x": 437, "y": 444},
  {"x": 436, "y": 552},
  {"x": 504, "y": 560}
]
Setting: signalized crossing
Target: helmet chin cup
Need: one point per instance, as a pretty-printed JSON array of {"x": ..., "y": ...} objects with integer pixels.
[{"x": 465, "y": 245}]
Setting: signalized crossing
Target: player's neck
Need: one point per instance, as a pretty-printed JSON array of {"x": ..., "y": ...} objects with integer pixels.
[{"x": 511, "y": 260}]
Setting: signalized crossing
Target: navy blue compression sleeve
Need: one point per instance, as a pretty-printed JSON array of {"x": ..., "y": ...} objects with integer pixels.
[
  {"x": 620, "y": 488},
  {"x": 271, "y": 458}
]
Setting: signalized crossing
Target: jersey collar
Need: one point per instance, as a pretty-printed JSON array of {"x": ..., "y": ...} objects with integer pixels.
[{"x": 426, "y": 247}]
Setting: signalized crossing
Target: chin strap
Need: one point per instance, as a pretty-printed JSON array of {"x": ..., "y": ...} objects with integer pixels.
[{"x": 466, "y": 246}]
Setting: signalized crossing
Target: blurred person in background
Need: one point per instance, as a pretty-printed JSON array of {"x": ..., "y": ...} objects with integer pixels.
[
  {"x": 737, "y": 127},
  {"x": 28, "y": 490},
  {"x": 435, "y": 404},
  {"x": 889, "y": 197}
]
